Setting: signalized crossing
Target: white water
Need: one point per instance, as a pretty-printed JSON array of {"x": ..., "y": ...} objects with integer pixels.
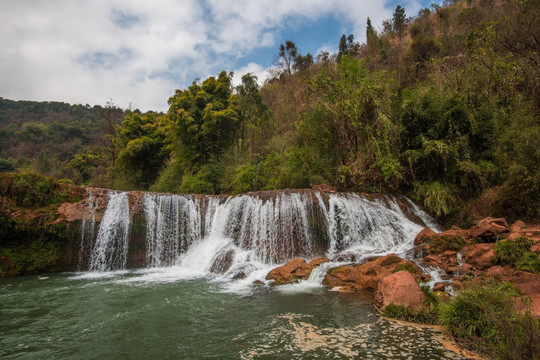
[
  {"x": 241, "y": 238},
  {"x": 110, "y": 249},
  {"x": 88, "y": 229}
]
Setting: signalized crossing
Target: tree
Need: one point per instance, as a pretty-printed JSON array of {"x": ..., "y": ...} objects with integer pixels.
[
  {"x": 286, "y": 57},
  {"x": 205, "y": 120},
  {"x": 112, "y": 116},
  {"x": 145, "y": 149},
  {"x": 347, "y": 46},
  {"x": 254, "y": 116},
  {"x": 399, "y": 21}
]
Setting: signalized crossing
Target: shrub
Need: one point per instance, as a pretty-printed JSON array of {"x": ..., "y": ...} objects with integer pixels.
[
  {"x": 485, "y": 319},
  {"x": 30, "y": 189},
  {"x": 509, "y": 252},
  {"x": 439, "y": 199},
  {"x": 529, "y": 261}
]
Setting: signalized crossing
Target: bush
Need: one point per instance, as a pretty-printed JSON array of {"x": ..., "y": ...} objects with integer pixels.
[
  {"x": 510, "y": 252},
  {"x": 439, "y": 199},
  {"x": 529, "y": 261},
  {"x": 30, "y": 189},
  {"x": 485, "y": 319}
]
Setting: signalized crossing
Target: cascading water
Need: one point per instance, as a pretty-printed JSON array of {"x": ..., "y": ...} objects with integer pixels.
[
  {"x": 88, "y": 229},
  {"x": 111, "y": 245},
  {"x": 236, "y": 236}
]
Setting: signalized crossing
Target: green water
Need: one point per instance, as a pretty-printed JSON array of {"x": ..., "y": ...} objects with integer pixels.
[{"x": 108, "y": 318}]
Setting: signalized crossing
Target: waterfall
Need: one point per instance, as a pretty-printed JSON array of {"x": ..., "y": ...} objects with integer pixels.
[
  {"x": 111, "y": 245},
  {"x": 88, "y": 229},
  {"x": 236, "y": 235}
]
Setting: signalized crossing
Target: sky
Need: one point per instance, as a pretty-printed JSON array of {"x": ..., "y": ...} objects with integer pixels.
[{"x": 137, "y": 52}]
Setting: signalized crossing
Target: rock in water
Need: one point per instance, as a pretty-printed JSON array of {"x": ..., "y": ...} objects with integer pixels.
[
  {"x": 399, "y": 288},
  {"x": 296, "y": 269}
]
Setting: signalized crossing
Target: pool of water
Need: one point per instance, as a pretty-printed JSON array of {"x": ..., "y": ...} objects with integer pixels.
[{"x": 130, "y": 315}]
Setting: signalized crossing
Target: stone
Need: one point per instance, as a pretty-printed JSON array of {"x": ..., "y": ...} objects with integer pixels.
[
  {"x": 295, "y": 269},
  {"x": 489, "y": 229},
  {"x": 433, "y": 260},
  {"x": 494, "y": 271},
  {"x": 365, "y": 276},
  {"x": 481, "y": 256},
  {"x": 399, "y": 288},
  {"x": 439, "y": 286},
  {"x": 223, "y": 262},
  {"x": 424, "y": 236},
  {"x": 455, "y": 231}
]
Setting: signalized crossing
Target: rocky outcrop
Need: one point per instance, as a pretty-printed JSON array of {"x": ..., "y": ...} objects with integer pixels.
[
  {"x": 481, "y": 256},
  {"x": 489, "y": 229},
  {"x": 399, "y": 288},
  {"x": 296, "y": 269},
  {"x": 366, "y": 276}
]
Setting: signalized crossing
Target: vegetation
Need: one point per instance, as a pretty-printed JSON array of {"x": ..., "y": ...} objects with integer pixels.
[
  {"x": 517, "y": 253},
  {"x": 485, "y": 318},
  {"x": 443, "y": 107}
]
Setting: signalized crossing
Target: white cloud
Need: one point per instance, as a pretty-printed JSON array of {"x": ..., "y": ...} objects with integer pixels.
[
  {"x": 253, "y": 68},
  {"x": 139, "y": 51}
]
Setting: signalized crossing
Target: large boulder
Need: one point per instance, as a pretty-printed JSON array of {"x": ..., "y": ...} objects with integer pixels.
[
  {"x": 366, "y": 276},
  {"x": 399, "y": 288},
  {"x": 296, "y": 269},
  {"x": 481, "y": 256},
  {"x": 424, "y": 236},
  {"x": 489, "y": 229}
]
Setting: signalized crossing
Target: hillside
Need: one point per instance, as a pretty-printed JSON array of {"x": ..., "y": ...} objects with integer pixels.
[{"x": 443, "y": 106}]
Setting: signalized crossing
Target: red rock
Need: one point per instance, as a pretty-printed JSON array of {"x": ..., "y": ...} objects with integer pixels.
[
  {"x": 399, "y": 289},
  {"x": 455, "y": 231},
  {"x": 449, "y": 254},
  {"x": 494, "y": 271},
  {"x": 296, "y": 269},
  {"x": 433, "y": 260},
  {"x": 517, "y": 226},
  {"x": 324, "y": 188},
  {"x": 489, "y": 228},
  {"x": 481, "y": 256},
  {"x": 424, "y": 236},
  {"x": 365, "y": 276},
  {"x": 439, "y": 286},
  {"x": 536, "y": 248}
]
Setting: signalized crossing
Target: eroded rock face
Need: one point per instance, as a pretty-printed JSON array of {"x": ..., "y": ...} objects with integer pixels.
[
  {"x": 399, "y": 288},
  {"x": 366, "y": 276},
  {"x": 489, "y": 229},
  {"x": 296, "y": 269}
]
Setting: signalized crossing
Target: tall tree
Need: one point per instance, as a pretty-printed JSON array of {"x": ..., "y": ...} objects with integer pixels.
[{"x": 286, "y": 57}]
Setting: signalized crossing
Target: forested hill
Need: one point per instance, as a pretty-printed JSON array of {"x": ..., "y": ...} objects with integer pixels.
[
  {"x": 45, "y": 136},
  {"x": 443, "y": 106}
]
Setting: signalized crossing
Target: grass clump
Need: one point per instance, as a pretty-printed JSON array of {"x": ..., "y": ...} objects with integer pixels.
[
  {"x": 405, "y": 267},
  {"x": 517, "y": 254},
  {"x": 485, "y": 319}
]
